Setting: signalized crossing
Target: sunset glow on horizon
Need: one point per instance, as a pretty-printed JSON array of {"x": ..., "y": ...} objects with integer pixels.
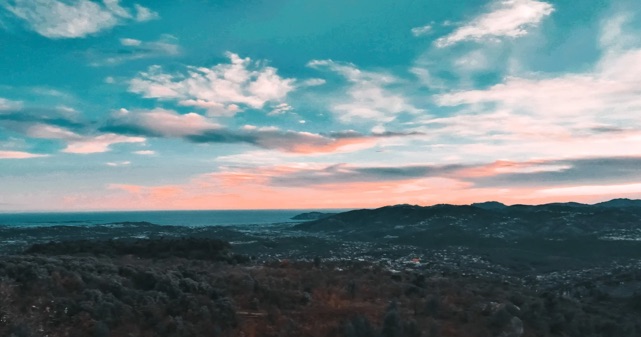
[{"x": 282, "y": 104}]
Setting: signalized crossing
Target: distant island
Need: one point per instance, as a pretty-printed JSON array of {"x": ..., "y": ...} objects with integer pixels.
[{"x": 312, "y": 216}]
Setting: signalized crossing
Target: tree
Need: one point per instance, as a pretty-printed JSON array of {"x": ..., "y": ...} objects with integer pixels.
[{"x": 392, "y": 324}]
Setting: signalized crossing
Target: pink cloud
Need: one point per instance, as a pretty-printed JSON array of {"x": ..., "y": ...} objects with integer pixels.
[
  {"x": 254, "y": 188},
  {"x": 247, "y": 192},
  {"x": 19, "y": 155},
  {"x": 506, "y": 167}
]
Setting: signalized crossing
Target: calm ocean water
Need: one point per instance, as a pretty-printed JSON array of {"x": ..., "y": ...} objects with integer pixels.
[{"x": 177, "y": 218}]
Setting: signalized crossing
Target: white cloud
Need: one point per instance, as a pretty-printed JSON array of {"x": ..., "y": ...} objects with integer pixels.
[
  {"x": 6, "y": 104},
  {"x": 19, "y": 155},
  {"x": 118, "y": 163},
  {"x": 80, "y": 143},
  {"x": 145, "y": 152},
  {"x": 508, "y": 18},
  {"x": 610, "y": 94},
  {"x": 368, "y": 97},
  {"x": 313, "y": 82},
  {"x": 58, "y": 19},
  {"x": 220, "y": 89},
  {"x": 592, "y": 113},
  {"x": 422, "y": 31},
  {"x": 130, "y": 42},
  {"x": 258, "y": 158},
  {"x": 613, "y": 37},
  {"x": 145, "y": 14},
  {"x": 426, "y": 78}
]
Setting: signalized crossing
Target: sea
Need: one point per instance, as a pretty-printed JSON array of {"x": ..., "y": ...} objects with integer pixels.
[{"x": 174, "y": 218}]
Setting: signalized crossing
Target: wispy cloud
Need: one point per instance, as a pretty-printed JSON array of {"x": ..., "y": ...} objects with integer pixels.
[
  {"x": 615, "y": 32},
  {"x": 594, "y": 112},
  {"x": 81, "y": 144},
  {"x": 58, "y": 19},
  {"x": 6, "y": 105},
  {"x": 571, "y": 99},
  {"x": 221, "y": 90},
  {"x": 145, "y": 14},
  {"x": 368, "y": 97},
  {"x": 133, "y": 49},
  {"x": 422, "y": 30},
  {"x": 313, "y": 82},
  {"x": 280, "y": 109},
  {"x": 506, "y": 18}
]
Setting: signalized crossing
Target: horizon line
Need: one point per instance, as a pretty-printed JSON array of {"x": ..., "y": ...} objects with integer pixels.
[{"x": 295, "y": 209}]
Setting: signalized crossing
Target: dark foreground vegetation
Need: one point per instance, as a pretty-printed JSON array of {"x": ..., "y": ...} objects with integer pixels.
[{"x": 198, "y": 287}]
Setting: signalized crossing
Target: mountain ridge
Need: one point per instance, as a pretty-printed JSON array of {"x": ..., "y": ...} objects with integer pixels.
[{"x": 618, "y": 218}]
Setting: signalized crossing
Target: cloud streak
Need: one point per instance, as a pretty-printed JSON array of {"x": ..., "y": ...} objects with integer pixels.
[
  {"x": 19, "y": 155},
  {"x": 198, "y": 129},
  {"x": 534, "y": 174},
  {"x": 317, "y": 185},
  {"x": 547, "y": 173},
  {"x": 344, "y": 173}
]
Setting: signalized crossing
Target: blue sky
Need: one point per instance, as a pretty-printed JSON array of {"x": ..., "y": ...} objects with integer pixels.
[{"x": 108, "y": 105}]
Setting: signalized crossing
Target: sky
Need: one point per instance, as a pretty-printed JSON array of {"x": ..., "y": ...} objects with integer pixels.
[{"x": 287, "y": 104}]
